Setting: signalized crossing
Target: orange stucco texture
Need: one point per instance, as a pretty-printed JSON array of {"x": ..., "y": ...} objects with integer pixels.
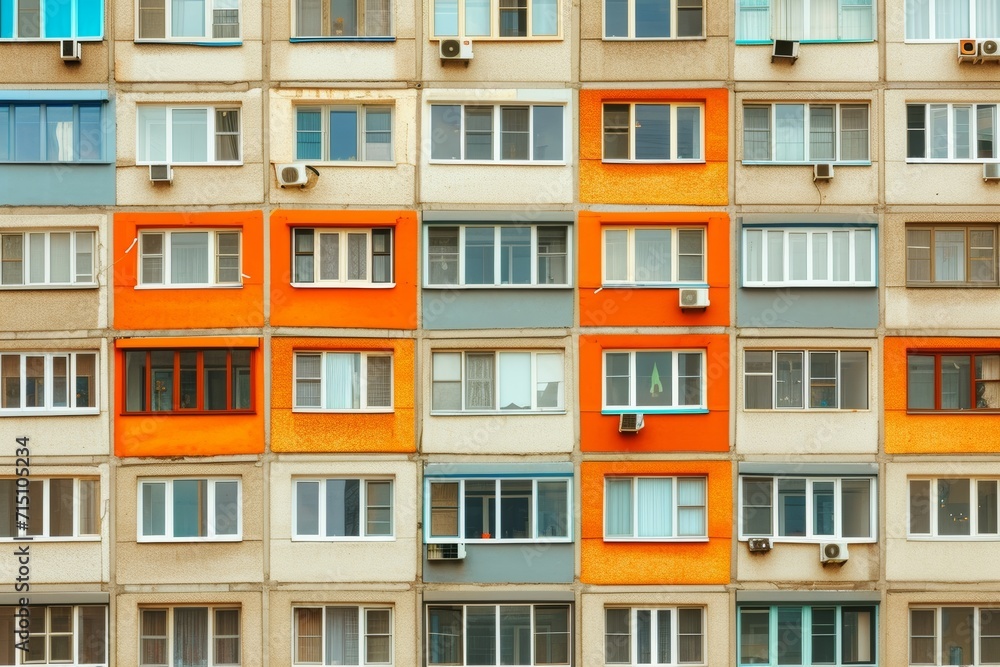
[
  {"x": 701, "y": 184},
  {"x": 636, "y": 563},
  {"x": 341, "y": 432},
  {"x": 940, "y": 433}
]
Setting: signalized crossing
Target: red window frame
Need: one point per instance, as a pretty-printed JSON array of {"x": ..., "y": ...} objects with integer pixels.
[
  {"x": 175, "y": 387},
  {"x": 937, "y": 356}
]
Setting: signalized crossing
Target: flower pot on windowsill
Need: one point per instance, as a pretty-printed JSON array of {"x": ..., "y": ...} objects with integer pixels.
[{"x": 486, "y": 536}]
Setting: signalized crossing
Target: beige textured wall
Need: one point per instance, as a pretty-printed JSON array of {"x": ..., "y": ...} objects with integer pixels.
[{"x": 788, "y": 562}]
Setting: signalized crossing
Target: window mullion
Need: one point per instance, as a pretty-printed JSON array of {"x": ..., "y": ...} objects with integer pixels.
[
  {"x": 210, "y": 121},
  {"x": 498, "y": 249},
  {"x": 169, "y": 119},
  {"x": 633, "y": 379},
  {"x": 629, "y": 256},
  {"x": 168, "y": 509},
  {"x": 533, "y": 380},
  {"x": 322, "y": 380},
  {"x": 534, "y": 510},
  {"x": 836, "y": 379},
  {"x": 534, "y": 239},
  {"x": 210, "y": 515},
  {"x": 461, "y": 238},
  {"x": 631, "y": 132},
  {"x": 321, "y": 514},
  {"x": 810, "y": 528},
  {"x": 498, "y": 514},
  {"x": 363, "y": 380},
  {"x": 461, "y": 508}
]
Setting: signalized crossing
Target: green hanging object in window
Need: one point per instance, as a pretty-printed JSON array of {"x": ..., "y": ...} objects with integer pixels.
[{"x": 655, "y": 386}]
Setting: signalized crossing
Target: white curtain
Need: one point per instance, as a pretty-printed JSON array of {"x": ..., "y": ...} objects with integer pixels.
[
  {"x": 652, "y": 255},
  {"x": 986, "y": 122},
  {"x": 841, "y": 256},
  {"x": 189, "y": 257},
  {"x": 949, "y": 255},
  {"x": 691, "y": 507},
  {"x": 857, "y": 20},
  {"x": 798, "y": 256},
  {"x": 515, "y": 380},
  {"x": 618, "y": 515},
  {"x": 616, "y": 255},
  {"x": 951, "y": 19},
  {"x": 307, "y": 380},
  {"x": 189, "y": 142},
  {"x": 378, "y": 132},
  {"x": 775, "y": 255},
  {"x": 823, "y": 20},
  {"x": 357, "y": 256},
  {"x": 757, "y": 133},
  {"x": 862, "y": 255},
  {"x": 962, "y": 131},
  {"x": 853, "y": 133},
  {"x": 329, "y": 256},
  {"x": 987, "y": 19},
  {"x": 655, "y": 505},
  {"x": 308, "y": 18},
  {"x": 753, "y": 20},
  {"x": 59, "y": 257},
  {"x": 789, "y": 19},
  {"x": 36, "y": 258},
  {"x": 227, "y": 134},
  {"x": 187, "y": 18},
  {"x": 822, "y": 133},
  {"x": 789, "y": 124},
  {"x": 341, "y": 635},
  {"x": 190, "y": 637},
  {"x": 918, "y": 19},
  {"x": 479, "y": 381},
  {"x": 152, "y": 134},
  {"x": 754, "y": 258},
  {"x": 342, "y": 381},
  {"x": 820, "y": 249}
]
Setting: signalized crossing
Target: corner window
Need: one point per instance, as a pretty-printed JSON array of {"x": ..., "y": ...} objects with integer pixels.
[
  {"x": 653, "y": 19},
  {"x": 188, "y": 135},
  {"x": 808, "y": 635},
  {"x": 354, "y": 257},
  {"x": 40, "y": 259},
  {"x": 951, "y": 132},
  {"x": 805, "y": 379},
  {"x": 654, "y": 636},
  {"x": 654, "y": 255},
  {"x": 188, "y": 381},
  {"x": 52, "y": 19},
  {"x": 342, "y": 18},
  {"x": 953, "y": 507},
  {"x": 951, "y": 255},
  {"x": 344, "y": 133},
  {"x": 342, "y": 635},
  {"x": 508, "y": 19},
  {"x": 508, "y": 381},
  {"x": 805, "y": 20},
  {"x": 654, "y": 380},
  {"x": 343, "y": 381},
  {"x": 56, "y": 634},
  {"x": 805, "y": 133},
  {"x": 497, "y": 256},
  {"x": 188, "y": 20},
  {"x": 52, "y": 132},
  {"x": 653, "y": 132},
  {"x": 62, "y": 508},
  {"x": 41, "y": 382},
  {"x": 808, "y": 509},
  {"x": 944, "y": 20},
  {"x": 191, "y": 257},
  {"x": 206, "y": 636},
  {"x": 655, "y": 508},
  {"x": 809, "y": 257},
  {"x": 190, "y": 510},
  {"x": 490, "y": 133},
  {"x": 332, "y": 509},
  {"x": 485, "y": 634},
  {"x": 946, "y": 381}
]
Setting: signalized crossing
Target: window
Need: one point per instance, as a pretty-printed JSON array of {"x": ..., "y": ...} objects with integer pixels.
[
  {"x": 488, "y": 381},
  {"x": 805, "y": 20},
  {"x": 954, "y": 507},
  {"x": 654, "y": 380},
  {"x": 338, "y": 635},
  {"x": 342, "y": 18},
  {"x": 650, "y": 508},
  {"x": 654, "y": 255},
  {"x": 528, "y": 634},
  {"x": 777, "y": 379},
  {"x": 51, "y": 19},
  {"x": 809, "y": 257},
  {"x": 51, "y": 132},
  {"x": 55, "y": 258},
  {"x": 188, "y": 381},
  {"x": 497, "y": 256},
  {"x": 653, "y": 19},
  {"x": 951, "y": 255},
  {"x": 329, "y": 509},
  {"x": 189, "y": 258},
  {"x": 944, "y": 381},
  {"x": 61, "y": 508},
  {"x": 189, "y": 20},
  {"x": 656, "y": 636},
  {"x": 804, "y": 133},
  {"x": 189, "y": 636},
  {"x": 57, "y": 634},
  {"x": 808, "y": 635},
  {"x": 348, "y": 381},
  {"x": 344, "y": 133},
  {"x": 951, "y": 132},
  {"x": 486, "y": 132},
  {"x": 48, "y": 382},
  {"x": 946, "y": 20},
  {"x": 188, "y": 510},
  {"x": 188, "y": 135},
  {"x": 653, "y": 132},
  {"x": 808, "y": 509},
  {"x": 954, "y": 635},
  {"x": 528, "y": 509},
  {"x": 497, "y": 20},
  {"x": 355, "y": 257}
]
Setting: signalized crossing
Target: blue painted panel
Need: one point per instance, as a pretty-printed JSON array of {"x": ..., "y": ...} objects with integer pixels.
[
  {"x": 58, "y": 18},
  {"x": 496, "y": 308},
  {"x": 6, "y": 19},
  {"x": 57, "y": 184},
  {"x": 90, "y": 18},
  {"x": 38, "y": 95},
  {"x": 836, "y": 308},
  {"x": 533, "y": 563}
]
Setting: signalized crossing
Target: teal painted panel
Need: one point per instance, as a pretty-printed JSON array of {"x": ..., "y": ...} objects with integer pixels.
[
  {"x": 825, "y": 307},
  {"x": 57, "y": 184},
  {"x": 496, "y": 308}
]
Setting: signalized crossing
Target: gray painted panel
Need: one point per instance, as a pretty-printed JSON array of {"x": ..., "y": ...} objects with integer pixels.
[
  {"x": 496, "y": 308},
  {"x": 825, "y": 307},
  {"x": 529, "y": 563},
  {"x": 526, "y": 469},
  {"x": 57, "y": 184},
  {"x": 812, "y": 597},
  {"x": 520, "y": 216},
  {"x": 760, "y": 468}
]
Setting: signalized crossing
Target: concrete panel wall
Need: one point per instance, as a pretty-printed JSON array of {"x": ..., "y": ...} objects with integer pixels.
[
  {"x": 817, "y": 62},
  {"x": 797, "y": 563},
  {"x": 539, "y": 562}
]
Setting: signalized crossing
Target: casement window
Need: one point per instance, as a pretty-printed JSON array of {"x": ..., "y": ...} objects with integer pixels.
[
  {"x": 518, "y": 509},
  {"x": 52, "y": 132},
  {"x": 188, "y": 135},
  {"x": 951, "y": 255},
  {"x": 56, "y": 635},
  {"x": 762, "y": 21},
  {"x": 343, "y": 508},
  {"x": 332, "y": 19},
  {"x": 497, "y": 19},
  {"x": 952, "y": 381},
  {"x": 189, "y": 258},
  {"x": 951, "y": 132},
  {"x": 954, "y": 507},
  {"x": 805, "y": 133},
  {"x": 344, "y": 133},
  {"x": 190, "y": 510},
  {"x": 826, "y": 634},
  {"x": 355, "y": 257},
  {"x": 501, "y": 132},
  {"x": 808, "y": 509},
  {"x": 960, "y": 635},
  {"x": 654, "y": 380},
  {"x": 42, "y": 259},
  {"x": 481, "y": 634},
  {"x": 498, "y": 256},
  {"x": 189, "y": 381},
  {"x": 343, "y": 635},
  {"x": 943, "y": 20},
  {"x": 653, "y": 132},
  {"x": 511, "y": 381},
  {"x": 655, "y": 508},
  {"x": 654, "y": 255},
  {"x": 654, "y": 636},
  {"x": 60, "y": 508},
  {"x": 51, "y": 19},
  {"x": 189, "y": 636},
  {"x": 188, "y": 20},
  {"x": 653, "y": 19},
  {"x": 809, "y": 257},
  {"x": 40, "y": 382},
  {"x": 343, "y": 381},
  {"x": 805, "y": 379}
]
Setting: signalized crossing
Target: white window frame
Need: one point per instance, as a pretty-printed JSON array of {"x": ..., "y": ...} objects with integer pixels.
[
  {"x": 805, "y": 639},
  {"x": 975, "y": 630},
  {"x": 42, "y": 506},
  {"x": 949, "y": 109},
  {"x": 777, "y": 32},
  {"x": 496, "y": 132},
  {"x": 675, "y": 11},
  {"x": 535, "y": 630},
  {"x": 343, "y": 253},
  {"x": 494, "y": 35},
  {"x": 361, "y": 7},
  {"x": 361, "y": 638},
  {"x": 80, "y": 275},
  {"x": 168, "y": 510},
  {"x": 363, "y": 508},
  {"x": 360, "y": 139},
  {"x": 673, "y": 105},
  {"x": 437, "y": 376},
  {"x": 208, "y": 18},
  {"x": 932, "y": 25},
  {"x": 674, "y": 639},
  {"x": 48, "y": 383},
  {"x": 213, "y": 253},
  {"x": 210, "y": 135},
  {"x": 811, "y": 537},
  {"x": 812, "y": 234},
  {"x": 935, "y": 502},
  {"x": 838, "y": 133},
  {"x": 807, "y": 380},
  {"x": 9, "y": 614},
  {"x": 632, "y": 279},
  {"x": 210, "y": 633},
  {"x": 362, "y": 381},
  {"x": 675, "y": 508},
  {"x": 633, "y": 406}
]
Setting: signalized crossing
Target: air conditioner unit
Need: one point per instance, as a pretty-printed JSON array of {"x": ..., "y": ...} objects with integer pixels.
[
  {"x": 833, "y": 552},
  {"x": 69, "y": 49},
  {"x": 823, "y": 171},
  {"x": 453, "y": 551},
  {"x": 989, "y": 49},
  {"x": 693, "y": 297},
  {"x": 455, "y": 49},
  {"x": 968, "y": 50},
  {"x": 292, "y": 174},
  {"x": 759, "y": 545},
  {"x": 991, "y": 171},
  {"x": 785, "y": 49},
  {"x": 161, "y": 173},
  {"x": 630, "y": 423}
]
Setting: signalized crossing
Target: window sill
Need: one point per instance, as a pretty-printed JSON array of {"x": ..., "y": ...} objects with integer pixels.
[
  {"x": 491, "y": 38},
  {"x": 500, "y": 540},
  {"x": 953, "y": 538},
  {"x": 36, "y": 288},
  {"x": 501, "y": 163},
  {"x": 700, "y": 285},
  {"x": 700, "y": 38},
  {"x": 631, "y": 410},
  {"x": 493, "y": 413},
  {"x": 681, "y": 540},
  {"x": 499, "y": 287},
  {"x": 343, "y": 285},
  {"x": 605, "y": 161},
  {"x": 343, "y": 38},
  {"x": 190, "y": 413},
  {"x": 368, "y": 164},
  {"x": 351, "y": 540},
  {"x": 192, "y": 42},
  {"x": 951, "y": 285},
  {"x": 756, "y": 42},
  {"x": 195, "y": 287},
  {"x": 191, "y": 164},
  {"x": 321, "y": 411},
  {"x": 58, "y": 163},
  {"x": 93, "y": 539},
  {"x": 812, "y": 411},
  {"x": 924, "y": 160},
  {"x": 57, "y": 412},
  {"x": 808, "y": 285},
  {"x": 981, "y": 411},
  {"x": 187, "y": 540},
  {"x": 30, "y": 40},
  {"x": 775, "y": 163},
  {"x": 818, "y": 539}
]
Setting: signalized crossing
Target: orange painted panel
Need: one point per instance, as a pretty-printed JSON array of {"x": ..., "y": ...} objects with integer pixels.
[
  {"x": 966, "y": 432},
  {"x": 345, "y": 306},
  {"x": 662, "y": 432},
  {"x": 342, "y": 432},
  {"x": 194, "y": 308},
  {"x": 628, "y": 563},
  {"x": 704, "y": 184},
  {"x": 625, "y": 306}
]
